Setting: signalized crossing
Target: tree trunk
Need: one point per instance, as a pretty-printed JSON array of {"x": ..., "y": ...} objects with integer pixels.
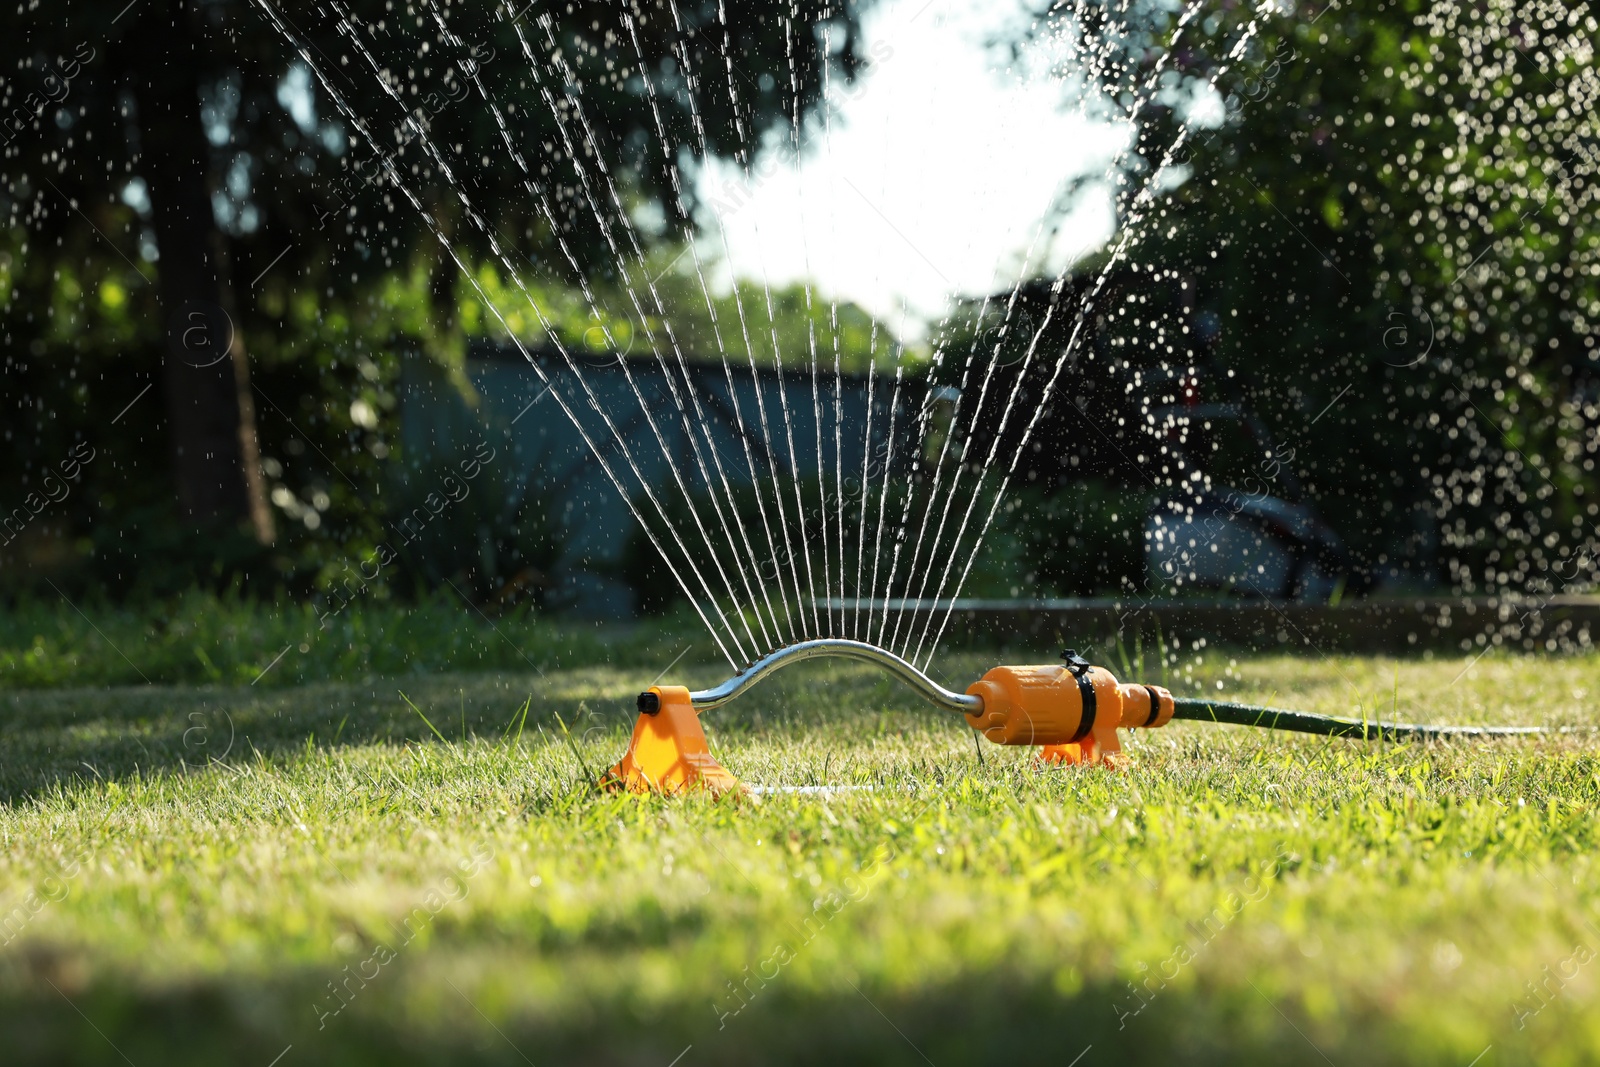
[{"x": 215, "y": 452}]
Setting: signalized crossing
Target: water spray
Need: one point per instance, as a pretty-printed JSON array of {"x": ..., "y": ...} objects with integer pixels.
[{"x": 1070, "y": 711}]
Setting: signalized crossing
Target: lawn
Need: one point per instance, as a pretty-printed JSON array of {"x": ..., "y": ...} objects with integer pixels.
[{"x": 316, "y": 873}]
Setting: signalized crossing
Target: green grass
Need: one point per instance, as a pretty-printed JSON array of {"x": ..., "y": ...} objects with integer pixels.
[
  {"x": 206, "y": 639},
  {"x": 1276, "y": 898}
]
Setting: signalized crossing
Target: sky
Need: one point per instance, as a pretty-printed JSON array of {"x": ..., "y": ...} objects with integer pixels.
[{"x": 932, "y": 179}]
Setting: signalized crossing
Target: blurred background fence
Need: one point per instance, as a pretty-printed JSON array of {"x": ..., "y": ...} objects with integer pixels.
[{"x": 554, "y": 491}]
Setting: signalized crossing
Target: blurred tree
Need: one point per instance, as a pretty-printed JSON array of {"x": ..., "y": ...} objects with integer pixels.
[
  {"x": 706, "y": 325},
  {"x": 1386, "y": 211},
  {"x": 190, "y": 144}
]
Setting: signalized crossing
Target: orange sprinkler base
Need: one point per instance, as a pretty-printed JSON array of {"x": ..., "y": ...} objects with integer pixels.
[
  {"x": 1079, "y": 752},
  {"x": 668, "y": 753}
]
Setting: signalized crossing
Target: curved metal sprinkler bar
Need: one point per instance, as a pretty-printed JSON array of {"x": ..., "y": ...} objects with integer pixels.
[
  {"x": 1198, "y": 709},
  {"x": 837, "y": 648}
]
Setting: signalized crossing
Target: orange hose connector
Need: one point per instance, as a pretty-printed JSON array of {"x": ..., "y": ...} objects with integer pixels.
[{"x": 1071, "y": 711}]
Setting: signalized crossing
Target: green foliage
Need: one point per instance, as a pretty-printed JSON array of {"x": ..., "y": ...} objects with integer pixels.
[
  {"x": 324, "y": 374},
  {"x": 1236, "y": 897},
  {"x": 1085, "y": 539},
  {"x": 333, "y": 274},
  {"x": 478, "y": 524},
  {"x": 286, "y": 132},
  {"x": 738, "y": 325},
  {"x": 808, "y": 327},
  {"x": 1390, "y": 210}
]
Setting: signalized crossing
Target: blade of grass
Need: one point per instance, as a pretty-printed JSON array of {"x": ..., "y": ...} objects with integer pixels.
[
  {"x": 505, "y": 735},
  {"x": 421, "y": 716},
  {"x": 525, "y": 705},
  {"x": 1122, "y": 655},
  {"x": 573, "y": 746},
  {"x": 1161, "y": 650}
]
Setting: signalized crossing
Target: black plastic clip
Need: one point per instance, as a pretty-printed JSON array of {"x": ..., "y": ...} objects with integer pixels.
[{"x": 1076, "y": 664}]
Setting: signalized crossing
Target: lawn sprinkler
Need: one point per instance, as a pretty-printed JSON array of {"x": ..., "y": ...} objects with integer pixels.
[{"x": 1070, "y": 711}]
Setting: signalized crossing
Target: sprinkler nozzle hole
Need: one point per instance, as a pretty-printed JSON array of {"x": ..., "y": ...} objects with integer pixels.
[{"x": 649, "y": 703}]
